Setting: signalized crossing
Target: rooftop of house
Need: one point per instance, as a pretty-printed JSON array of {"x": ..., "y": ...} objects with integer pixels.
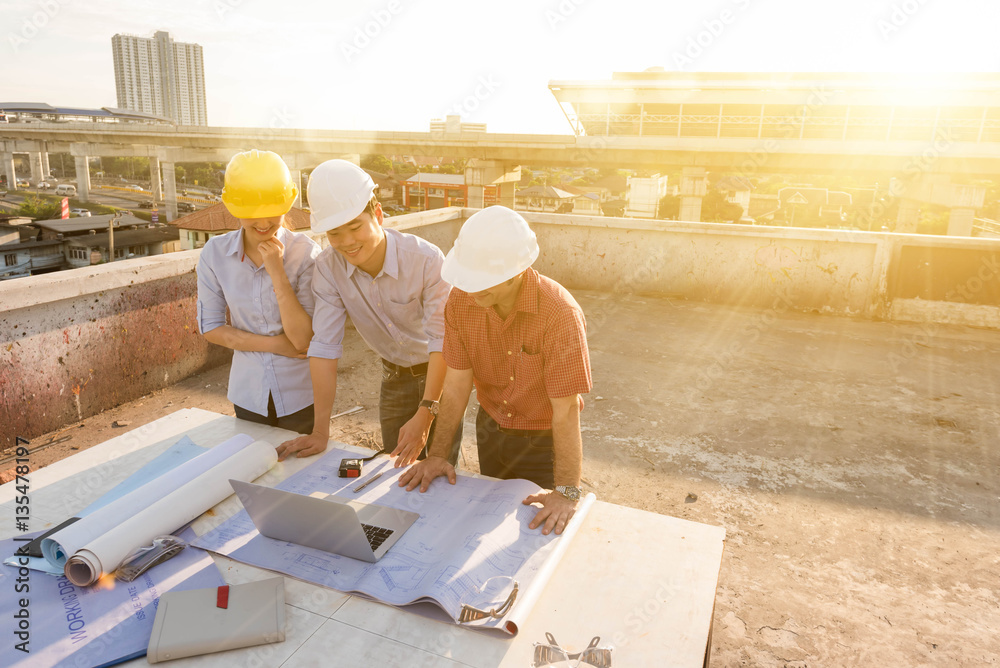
[
  {"x": 544, "y": 192},
  {"x": 87, "y": 223},
  {"x": 124, "y": 238},
  {"x": 436, "y": 178},
  {"x": 216, "y": 218}
]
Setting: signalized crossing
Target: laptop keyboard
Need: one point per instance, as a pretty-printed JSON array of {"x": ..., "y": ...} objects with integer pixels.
[{"x": 376, "y": 535}]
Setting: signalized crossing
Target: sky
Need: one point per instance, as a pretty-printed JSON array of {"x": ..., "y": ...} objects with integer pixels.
[{"x": 396, "y": 64}]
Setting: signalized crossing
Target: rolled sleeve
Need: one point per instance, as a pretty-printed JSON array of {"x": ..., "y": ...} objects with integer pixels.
[
  {"x": 435, "y": 296},
  {"x": 303, "y": 282},
  {"x": 211, "y": 300},
  {"x": 329, "y": 315}
]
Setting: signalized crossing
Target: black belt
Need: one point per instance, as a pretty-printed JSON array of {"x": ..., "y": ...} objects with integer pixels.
[
  {"x": 415, "y": 370},
  {"x": 524, "y": 433}
]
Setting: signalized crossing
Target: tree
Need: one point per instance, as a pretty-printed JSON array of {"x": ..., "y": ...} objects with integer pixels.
[
  {"x": 716, "y": 209},
  {"x": 933, "y": 220},
  {"x": 40, "y": 209},
  {"x": 202, "y": 176},
  {"x": 403, "y": 168},
  {"x": 377, "y": 163},
  {"x": 670, "y": 207}
]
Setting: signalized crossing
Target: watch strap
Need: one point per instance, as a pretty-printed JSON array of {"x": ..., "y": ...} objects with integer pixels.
[{"x": 570, "y": 492}]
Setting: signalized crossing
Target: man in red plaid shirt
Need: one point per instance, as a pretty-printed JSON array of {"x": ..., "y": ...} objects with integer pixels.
[{"x": 520, "y": 338}]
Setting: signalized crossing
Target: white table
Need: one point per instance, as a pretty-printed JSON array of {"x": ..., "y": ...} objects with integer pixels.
[{"x": 641, "y": 581}]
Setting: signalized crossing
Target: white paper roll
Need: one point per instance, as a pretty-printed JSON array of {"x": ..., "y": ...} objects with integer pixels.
[
  {"x": 529, "y": 595},
  {"x": 98, "y": 542}
]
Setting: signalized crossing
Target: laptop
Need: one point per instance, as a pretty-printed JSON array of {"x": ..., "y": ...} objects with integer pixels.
[{"x": 363, "y": 531}]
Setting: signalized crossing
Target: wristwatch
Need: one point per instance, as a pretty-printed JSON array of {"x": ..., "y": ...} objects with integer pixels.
[
  {"x": 432, "y": 406},
  {"x": 571, "y": 493}
]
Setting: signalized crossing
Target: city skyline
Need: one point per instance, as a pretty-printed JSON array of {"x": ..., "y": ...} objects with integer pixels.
[
  {"x": 395, "y": 65},
  {"x": 160, "y": 76}
]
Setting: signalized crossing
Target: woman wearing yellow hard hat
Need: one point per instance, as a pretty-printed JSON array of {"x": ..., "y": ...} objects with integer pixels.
[{"x": 262, "y": 273}]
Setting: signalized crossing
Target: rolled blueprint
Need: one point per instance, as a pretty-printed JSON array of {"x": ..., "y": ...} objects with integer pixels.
[
  {"x": 529, "y": 596},
  {"x": 97, "y": 543}
]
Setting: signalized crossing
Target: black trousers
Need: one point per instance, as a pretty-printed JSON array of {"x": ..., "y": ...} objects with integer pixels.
[
  {"x": 522, "y": 454},
  {"x": 300, "y": 421}
]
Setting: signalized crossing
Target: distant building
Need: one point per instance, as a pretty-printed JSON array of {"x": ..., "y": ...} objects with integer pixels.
[
  {"x": 62, "y": 228},
  {"x": 389, "y": 191},
  {"x": 811, "y": 206},
  {"x": 53, "y": 245},
  {"x": 588, "y": 199},
  {"x": 726, "y": 105},
  {"x": 195, "y": 229},
  {"x": 452, "y": 124},
  {"x": 419, "y": 161},
  {"x": 87, "y": 249},
  {"x": 736, "y": 190},
  {"x": 28, "y": 112},
  {"x": 544, "y": 198},
  {"x": 8, "y": 233},
  {"x": 763, "y": 207},
  {"x": 28, "y": 258},
  {"x": 644, "y": 194},
  {"x": 160, "y": 76},
  {"x": 424, "y": 191}
]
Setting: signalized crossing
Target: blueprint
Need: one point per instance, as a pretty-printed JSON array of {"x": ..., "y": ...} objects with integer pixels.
[
  {"x": 97, "y": 543},
  {"x": 100, "y": 625},
  {"x": 182, "y": 451},
  {"x": 471, "y": 541}
]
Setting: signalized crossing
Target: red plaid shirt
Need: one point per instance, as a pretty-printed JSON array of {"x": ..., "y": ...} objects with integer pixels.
[{"x": 539, "y": 351}]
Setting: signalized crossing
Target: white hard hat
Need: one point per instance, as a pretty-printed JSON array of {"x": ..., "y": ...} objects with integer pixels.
[
  {"x": 338, "y": 192},
  {"x": 494, "y": 245}
]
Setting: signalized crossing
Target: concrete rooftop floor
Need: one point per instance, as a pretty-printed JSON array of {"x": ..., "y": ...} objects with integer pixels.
[{"x": 853, "y": 464}]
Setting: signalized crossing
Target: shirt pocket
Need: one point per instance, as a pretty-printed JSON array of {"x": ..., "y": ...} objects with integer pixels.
[
  {"x": 407, "y": 316},
  {"x": 529, "y": 371}
]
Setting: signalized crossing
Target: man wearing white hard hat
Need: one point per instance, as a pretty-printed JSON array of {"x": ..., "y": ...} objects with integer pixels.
[
  {"x": 521, "y": 339},
  {"x": 390, "y": 284}
]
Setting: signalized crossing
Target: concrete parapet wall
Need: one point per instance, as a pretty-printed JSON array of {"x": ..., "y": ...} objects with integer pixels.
[
  {"x": 728, "y": 264},
  {"x": 438, "y": 226},
  {"x": 905, "y": 277},
  {"x": 77, "y": 342}
]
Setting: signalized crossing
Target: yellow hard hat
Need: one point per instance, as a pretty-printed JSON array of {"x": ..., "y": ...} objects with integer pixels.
[{"x": 258, "y": 185}]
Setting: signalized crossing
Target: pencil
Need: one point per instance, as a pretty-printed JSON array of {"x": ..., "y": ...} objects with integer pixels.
[{"x": 368, "y": 482}]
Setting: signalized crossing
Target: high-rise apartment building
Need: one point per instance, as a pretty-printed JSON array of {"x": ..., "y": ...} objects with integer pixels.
[{"x": 160, "y": 76}]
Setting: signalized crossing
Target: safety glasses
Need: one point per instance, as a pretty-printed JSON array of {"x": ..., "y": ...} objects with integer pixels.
[
  {"x": 550, "y": 653},
  {"x": 493, "y": 599}
]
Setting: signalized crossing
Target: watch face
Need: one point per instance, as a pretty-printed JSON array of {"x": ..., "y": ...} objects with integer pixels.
[{"x": 571, "y": 493}]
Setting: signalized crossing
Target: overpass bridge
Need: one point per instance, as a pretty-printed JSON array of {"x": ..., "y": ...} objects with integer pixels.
[{"x": 744, "y": 123}]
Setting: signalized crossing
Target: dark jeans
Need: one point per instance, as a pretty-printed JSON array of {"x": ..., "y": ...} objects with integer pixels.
[
  {"x": 300, "y": 421},
  {"x": 400, "y": 398},
  {"x": 526, "y": 455}
]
